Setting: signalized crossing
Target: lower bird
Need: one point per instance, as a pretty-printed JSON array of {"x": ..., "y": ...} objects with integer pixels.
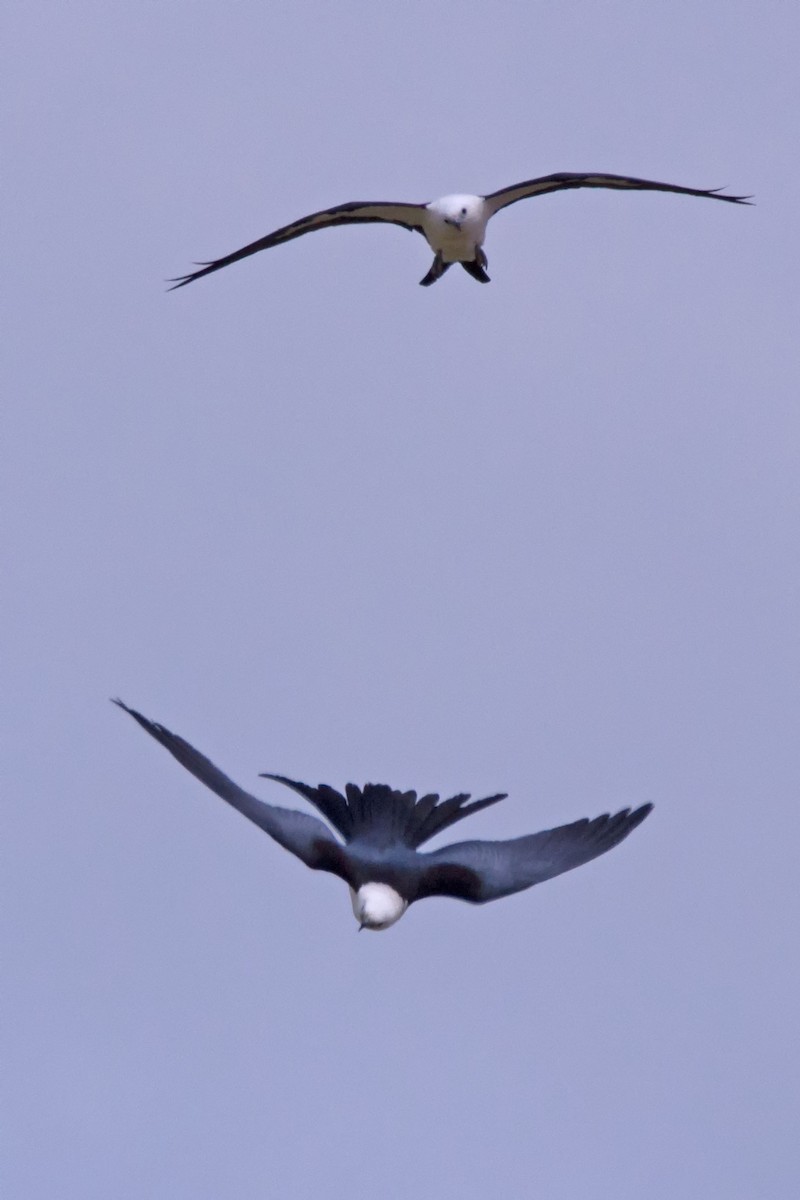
[
  {"x": 454, "y": 226},
  {"x": 382, "y": 830}
]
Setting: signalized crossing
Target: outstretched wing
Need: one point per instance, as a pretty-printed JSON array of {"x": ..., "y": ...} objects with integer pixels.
[
  {"x": 354, "y": 213},
  {"x": 301, "y": 834},
  {"x": 481, "y": 871},
  {"x": 566, "y": 179}
]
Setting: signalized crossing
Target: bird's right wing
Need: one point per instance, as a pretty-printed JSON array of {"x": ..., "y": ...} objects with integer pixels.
[
  {"x": 354, "y": 213},
  {"x": 303, "y": 835},
  {"x": 481, "y": 871}
]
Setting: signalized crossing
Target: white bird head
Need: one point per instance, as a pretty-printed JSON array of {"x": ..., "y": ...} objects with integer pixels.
[
  {"x": 377, "y": 906},
  {"x": 461, "y": 211}
]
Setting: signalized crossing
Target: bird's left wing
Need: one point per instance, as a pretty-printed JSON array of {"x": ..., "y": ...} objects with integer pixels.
[
  {"x": 567, "y": 179},
  {"x": 356, "y": 212},
  {"x": 301, "y": 834},
  {"x": 481, "y": 871}
]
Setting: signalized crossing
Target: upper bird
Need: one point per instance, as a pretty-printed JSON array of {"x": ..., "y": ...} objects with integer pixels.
[
  {"x": 382, "y": 829},
  {"x": 455, "y": 226}
]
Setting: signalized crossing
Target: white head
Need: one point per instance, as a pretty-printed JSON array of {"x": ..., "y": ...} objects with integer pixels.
[
  {"x": 377, "y": 906},
  {"x": 461, "y": 212}
]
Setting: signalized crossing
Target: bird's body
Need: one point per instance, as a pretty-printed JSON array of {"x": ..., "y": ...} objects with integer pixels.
[
  {"x": 382, "y": 830},
  {"x": 453, "y": 226}
]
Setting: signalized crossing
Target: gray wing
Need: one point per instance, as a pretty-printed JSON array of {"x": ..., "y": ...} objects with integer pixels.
[
  {"x": 354, "y": 213},
  {"x": 301, "y": 834},
  {"x": 481, "y": 871},
  {"x": 566, "y": 179}
]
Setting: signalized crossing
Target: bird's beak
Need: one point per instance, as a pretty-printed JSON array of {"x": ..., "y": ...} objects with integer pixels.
[
  {"x": 453, "y": 222},
  {"x": 361, "y": 927}
]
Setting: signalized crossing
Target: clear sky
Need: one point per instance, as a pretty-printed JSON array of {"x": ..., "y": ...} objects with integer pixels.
[{"x": 538, "y": 537}]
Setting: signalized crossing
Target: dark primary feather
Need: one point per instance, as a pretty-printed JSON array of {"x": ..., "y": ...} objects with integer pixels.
[
  {"x": 481, "y": 871},
  {"x": 303, "y": 835},
  {"x": 564, "y": 180},
  {"x": 353, "y": 213}
]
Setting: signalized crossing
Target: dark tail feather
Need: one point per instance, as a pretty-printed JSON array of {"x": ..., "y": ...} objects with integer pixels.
[
  {"x": 327, "y": 800},
  {"x": 475, "y": 269},
  {"x": 447, "y": 813},
  {"x": 436, "y": 272},
  {"x": 378, "y": 811}
]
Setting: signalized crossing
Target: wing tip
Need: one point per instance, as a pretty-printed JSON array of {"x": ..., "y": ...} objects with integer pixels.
[
  {"x": 181, "y": 280},
  {"x": 205, "y": 268},
  {"x": 151, "y": 727},
  {"x": 630, "y": 816},
  {"x": 717, "y": 194},
  {"x": 619, "y": 824}
]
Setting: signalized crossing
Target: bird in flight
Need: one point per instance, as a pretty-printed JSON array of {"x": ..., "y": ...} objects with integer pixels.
[
  {"x": 382, "y": 830},
  {"x": 454, "y": 227}
]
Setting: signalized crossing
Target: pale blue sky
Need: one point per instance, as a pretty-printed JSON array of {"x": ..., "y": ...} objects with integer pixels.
[{"x": 538, "y": 537}]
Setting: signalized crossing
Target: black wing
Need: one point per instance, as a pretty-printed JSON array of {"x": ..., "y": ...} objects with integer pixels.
[
  {"x": 355, "y": 213},
  {"x": 481, "y": 871},
  {"x": 303, "y": 835},
  {"x": 567, "y": 179}
]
